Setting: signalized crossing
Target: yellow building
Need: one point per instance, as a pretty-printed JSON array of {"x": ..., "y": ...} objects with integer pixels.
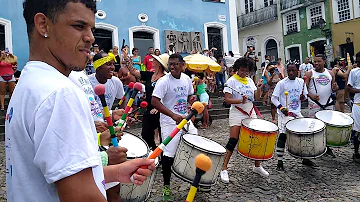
[{"x": 345, "y": 27}]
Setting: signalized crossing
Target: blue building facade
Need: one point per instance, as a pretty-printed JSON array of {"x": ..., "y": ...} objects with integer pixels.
[{"x": 129, "y": 19}]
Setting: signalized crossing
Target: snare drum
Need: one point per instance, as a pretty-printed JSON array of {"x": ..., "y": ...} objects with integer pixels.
[
  {"x": 184, "y": 163},
  {"x": 338, "y": 127},
  {"x": 306, "y": 138},
  {"x": 257, "y": 139}
]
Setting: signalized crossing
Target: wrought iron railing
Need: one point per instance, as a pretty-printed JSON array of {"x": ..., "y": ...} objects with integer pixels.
[
  {"x": 288, "y": 4},
  {"x": 258, "y": 17}
]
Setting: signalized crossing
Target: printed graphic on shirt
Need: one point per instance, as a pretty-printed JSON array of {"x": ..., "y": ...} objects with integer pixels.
[
  {"x": 10, "y": 115},
  {"x": 322, "y": 80},
  {"x": 180, "y": 106},
  {"x": 294, "y": 98},
  {"x": 248, "y": 91},
  {"x": 95, "y": 110}
]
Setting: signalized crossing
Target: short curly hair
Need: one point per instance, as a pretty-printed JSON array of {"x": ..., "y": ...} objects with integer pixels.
[
  {"x": 244, "y": 62},
  {"x": 50, "y": 8}
]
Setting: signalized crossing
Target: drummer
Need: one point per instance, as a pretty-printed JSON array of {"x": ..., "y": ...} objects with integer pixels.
[
  {"x": 321, "y": 87},
  {"x": 170, "y": 97},
  {"x": 353, "y": 86},
  {"x": 297, "y": 92},
  {"x": 242, "y": 107}
]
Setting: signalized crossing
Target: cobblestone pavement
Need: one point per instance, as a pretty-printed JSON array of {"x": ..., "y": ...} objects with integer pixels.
[{"x": 336, "y": 179}]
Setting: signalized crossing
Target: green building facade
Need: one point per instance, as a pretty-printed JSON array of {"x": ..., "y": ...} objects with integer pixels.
[{"x": 305, "y": 34}]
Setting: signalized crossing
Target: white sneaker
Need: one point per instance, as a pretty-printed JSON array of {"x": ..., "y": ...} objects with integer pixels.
[
  {"x": 224, "y": 176},
  {"x": 261, "y": 171}
]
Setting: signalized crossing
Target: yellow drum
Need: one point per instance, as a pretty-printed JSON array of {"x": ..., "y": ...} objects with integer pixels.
[{"x": 257, "y": 139}]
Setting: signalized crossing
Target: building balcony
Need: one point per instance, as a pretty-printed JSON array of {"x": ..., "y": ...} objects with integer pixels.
[
  {"x": 287, "y": 5},
  {"x": 258, "y": 17}
]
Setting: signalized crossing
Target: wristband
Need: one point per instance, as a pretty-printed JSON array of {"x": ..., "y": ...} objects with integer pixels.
[
  {"x": 104, "y": 158},
  {"x": 99, "y": 140},
  {"x": 280, "y": 106}
]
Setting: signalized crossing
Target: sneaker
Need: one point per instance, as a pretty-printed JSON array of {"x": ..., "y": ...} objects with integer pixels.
[
  {"x": 261, "y": 171},
  {"x": 356, "y": 158},
  {"x": 280, "y": 166},
  {"x": 224, "y": 175},
  {"x": 307, "y": 162},
  {"x": 167, "y": 196}
]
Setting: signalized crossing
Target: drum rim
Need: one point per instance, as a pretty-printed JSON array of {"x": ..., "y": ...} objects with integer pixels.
[
  {"x": 147, "y": 146},
  {"x": 242, "y": 125},
  {"x": 339, "y": 126},
  {"x": 305, "y": 133},
  {"x": 189, "y": 180},
  {"x": 296, "y": 156},
  {"x": 202, "y": 149}
]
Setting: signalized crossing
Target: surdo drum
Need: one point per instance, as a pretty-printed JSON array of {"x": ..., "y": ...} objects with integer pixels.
[
  {"x": 306, "y": 138},
  {"x": 338, "y": 127},
  {"x": 257, "y": 139},
  {"x": 184, "y": 163},
  {"x": 137, "y": 148}
]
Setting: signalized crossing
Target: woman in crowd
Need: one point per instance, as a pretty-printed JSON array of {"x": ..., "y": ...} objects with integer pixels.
[
  {"x": 136, "y": 59},
  {"x": 6, "y": 75}
]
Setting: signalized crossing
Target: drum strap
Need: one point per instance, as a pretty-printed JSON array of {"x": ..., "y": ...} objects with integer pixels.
[
  {"x": 328, "y": 103},
  {"x": 254, "y": 108}
]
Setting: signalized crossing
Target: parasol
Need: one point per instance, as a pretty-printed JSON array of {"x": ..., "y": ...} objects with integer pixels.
[{"x": 199, "y": 63}]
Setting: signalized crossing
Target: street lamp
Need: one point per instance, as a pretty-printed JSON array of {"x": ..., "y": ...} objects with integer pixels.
[
  {"x": 322, "y": 24},
  {"x": 327, "y": 32}
]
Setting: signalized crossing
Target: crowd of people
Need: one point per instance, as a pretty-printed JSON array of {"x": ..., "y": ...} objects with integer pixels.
[{"x": 55, "y": 133}]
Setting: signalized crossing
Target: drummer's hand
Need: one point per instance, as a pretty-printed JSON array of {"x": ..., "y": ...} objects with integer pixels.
[
  {"x": 192, "y": 99},
  {"x": 244, "y": 99},
  {"x": 101, "y": 126},
  {"x": 316, "y": 97},
  {"x": 105, "y": 136},
  {"x": 116, "y": 155},
  {"x": 133, "y": 167},
  {"x": 302, "y": 97},
  {"x": 177, "y": 118},
  {"x": 285, "y": 111},
  {"x": 154, "y": 111},
  {"x": 117, "y": 114}
]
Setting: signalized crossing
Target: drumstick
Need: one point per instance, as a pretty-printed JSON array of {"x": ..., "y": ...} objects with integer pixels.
[
  {"x": 286, "y": 95},
  {"x": 196, "y": 108},
  {"x": 100, "y": 91},
  {"x": 143, "y": 105},
  {"x": 130, "y": 86},
  {"x": 203, "y": 164},
  {"x": 137, "y": 88}
]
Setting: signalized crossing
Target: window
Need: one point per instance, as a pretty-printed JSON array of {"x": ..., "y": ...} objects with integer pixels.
[
  {"x": 268, "y": 3},
  {"x": 291, "y": 22},
  {"x": 344, "y": 11},
  {"x": 357, "y": 8},
  {"x": 249, "y": 6},
  {"x": 314, "y": 14}
]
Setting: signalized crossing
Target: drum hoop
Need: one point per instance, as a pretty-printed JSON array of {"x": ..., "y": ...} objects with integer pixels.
[
  {"x": 202, "y": 149},
  {"x": 147, "y": 147},
  {"x": 306, "y": 133},
  {"x": 337, "y": 126},
  {"x": 260, "y": 130}
]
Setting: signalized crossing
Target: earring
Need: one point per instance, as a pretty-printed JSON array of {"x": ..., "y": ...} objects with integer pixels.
[{"x": 46, "y": 35}]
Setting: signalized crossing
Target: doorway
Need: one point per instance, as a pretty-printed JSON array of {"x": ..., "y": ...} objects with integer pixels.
[
  {"x": 272, "y": 49},
  {"x": 104, "y": 39},
  {"x": 215, "y": 40},
  {"x": 294, "y": 54},
  {"x": 317, "y": 47},
  {"x": 2, "y": 37},
  {"x": 143, "y": 41}
]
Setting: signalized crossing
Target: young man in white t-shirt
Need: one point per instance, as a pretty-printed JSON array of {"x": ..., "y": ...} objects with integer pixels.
[
  {"x": 353, "y": 86},
  {"x": 304, "y": 67},
  {"x": 51, "y": 142},
  {"x": 297, "y": 93},
  {"x": 171, "y": 95},
  {"x": 104, "y": 67}
]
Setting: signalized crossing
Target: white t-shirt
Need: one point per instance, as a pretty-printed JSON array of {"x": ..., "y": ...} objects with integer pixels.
[
  {"x": 354, "y": 81},
  {"x": 295, "y": 88},
  {"x": 322, "y": 86},
  {"x": 83, "y": 82},
  {"x": 229, "y": 61},
  {"x": 304, "y": 68},
  {"x": 50, "y": 135},
  {"x": 247, "y": 90},
  {"x": 113, "y": 89},
  {"x": 173, "y": 94}
]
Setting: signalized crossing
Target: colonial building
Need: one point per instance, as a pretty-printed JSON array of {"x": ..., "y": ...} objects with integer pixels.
[
  {"x": 189, "y": 24},
  {"x": 345, "y": 27},
  {"x": 303, "y": 34},
  {"x": 260, "y": 26}
]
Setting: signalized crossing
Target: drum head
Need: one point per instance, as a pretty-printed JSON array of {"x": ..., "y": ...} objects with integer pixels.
[
  {"x": 305, "y": 125},
  {"x": 334, "y": 118},
  {"x": 136, "y": 147},
  {"x": 204, "y": 143},
  {"x": 259, "y": 125}
]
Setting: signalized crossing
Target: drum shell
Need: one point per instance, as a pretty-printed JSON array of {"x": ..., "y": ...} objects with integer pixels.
[
  {"x": 184, "y": 163},
  {"x": 338, "y": 136},
  {"x": 255, "y": 144},
  {"x": 306, "y": 145}
]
